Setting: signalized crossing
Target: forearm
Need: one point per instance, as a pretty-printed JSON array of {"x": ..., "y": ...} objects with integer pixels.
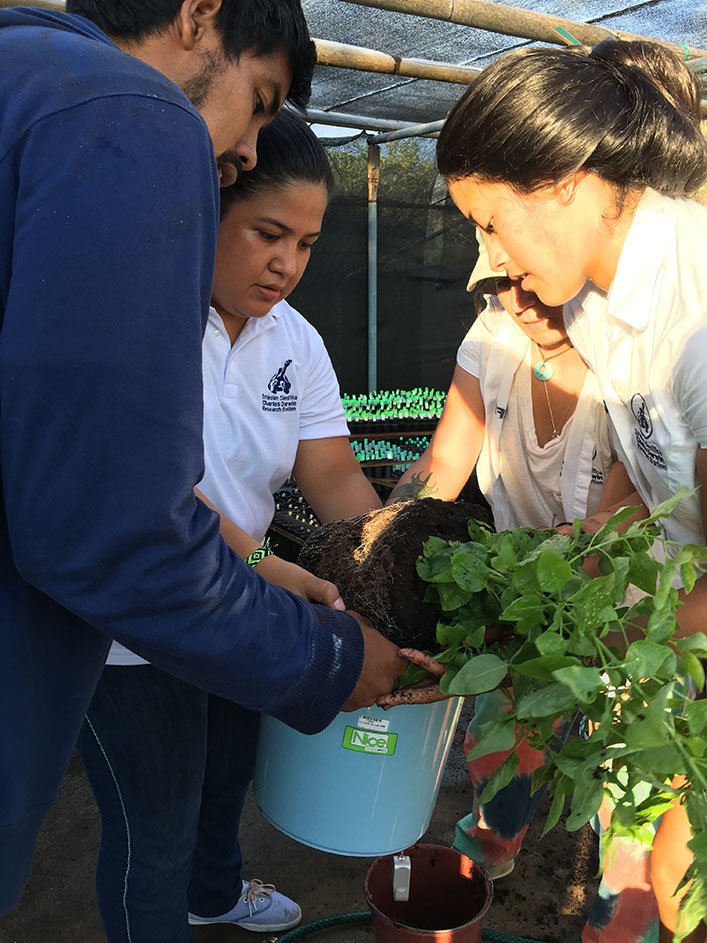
[
  {"x": 429, "y": 477},
  {"x": 444, "y": 467},
  {"x": 618, "y": 489},
  {"x": 331, "y": 479},
  {"x": 237, "y": 539},
  {"x": 349, "y": 496}
]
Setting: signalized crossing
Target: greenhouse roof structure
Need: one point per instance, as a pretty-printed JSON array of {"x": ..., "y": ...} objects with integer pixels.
[
  {"x": 398, "y": 42},
  {"x": 399, "y": 34}
]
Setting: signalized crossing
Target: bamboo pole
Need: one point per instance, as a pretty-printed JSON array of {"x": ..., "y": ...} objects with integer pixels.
[
  {"x": 510, "y": 21},
  {"x": 359, "y": 122},
  {"x": 345, "y": 56},
  {"x": 413, "y": 131}
]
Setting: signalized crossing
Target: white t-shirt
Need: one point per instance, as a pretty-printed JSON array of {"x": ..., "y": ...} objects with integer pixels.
[
  {"x": 527, "y": 485},
  {"x": 647, "y": 344},
  {"x": 272, "y": 389}
]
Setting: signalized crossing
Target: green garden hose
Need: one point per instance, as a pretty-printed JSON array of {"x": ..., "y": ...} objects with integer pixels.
[{"x": 364, "y": 916}]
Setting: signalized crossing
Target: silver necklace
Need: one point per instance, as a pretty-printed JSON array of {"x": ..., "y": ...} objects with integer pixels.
[
  {"x": 543, "y": 369},
  {"x": 555, "y": 431}
]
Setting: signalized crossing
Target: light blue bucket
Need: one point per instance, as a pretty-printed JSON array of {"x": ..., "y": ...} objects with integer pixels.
[{"x": 366, "y": 786}]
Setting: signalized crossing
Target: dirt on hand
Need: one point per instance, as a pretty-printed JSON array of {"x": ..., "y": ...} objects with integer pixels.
[{"x": 371, "y": 558}]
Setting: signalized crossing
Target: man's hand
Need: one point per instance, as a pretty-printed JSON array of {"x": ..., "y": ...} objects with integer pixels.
[
  {"x": 426, "y": 692},
  {"x": 382, "y": 666}
]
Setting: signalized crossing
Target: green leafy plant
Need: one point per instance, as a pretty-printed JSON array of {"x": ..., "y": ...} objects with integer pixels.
[{"x": 577, "y": 645}]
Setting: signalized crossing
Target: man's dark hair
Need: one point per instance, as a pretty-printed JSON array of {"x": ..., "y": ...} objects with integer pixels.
[
  {"x": 257, "y": 26},
  {"x": 289, "y": 152}
]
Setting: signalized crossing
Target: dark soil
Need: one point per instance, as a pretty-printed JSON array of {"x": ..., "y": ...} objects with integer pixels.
[{"x": 371, "y": 559}]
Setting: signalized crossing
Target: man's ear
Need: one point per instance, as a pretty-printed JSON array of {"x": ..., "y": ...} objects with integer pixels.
[
  {"x": 567, "y": 188},
  {"x": 195, "y": 19}
]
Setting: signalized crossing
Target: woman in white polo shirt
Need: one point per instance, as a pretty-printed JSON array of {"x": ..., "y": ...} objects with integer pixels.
[
  {"x": 568, "y": 163},
  {"x": 170, "y": 764}
]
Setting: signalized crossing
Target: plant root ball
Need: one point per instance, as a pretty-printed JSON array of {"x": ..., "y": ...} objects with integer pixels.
[{"x": 371, "y": 558}]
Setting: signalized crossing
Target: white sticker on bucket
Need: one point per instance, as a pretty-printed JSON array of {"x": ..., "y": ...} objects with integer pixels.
[{"x": 373, "y": 723}]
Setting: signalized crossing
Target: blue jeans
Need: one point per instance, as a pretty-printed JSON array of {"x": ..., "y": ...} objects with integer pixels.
[{"x": 170, "y": 766}]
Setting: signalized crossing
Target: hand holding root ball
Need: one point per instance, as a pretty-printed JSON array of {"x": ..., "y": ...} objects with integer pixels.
[
  {"x": 428, "y": 690},
  {"x": 424, "y": 692}
]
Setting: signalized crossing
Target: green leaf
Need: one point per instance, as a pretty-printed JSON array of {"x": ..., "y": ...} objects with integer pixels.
[
  {"x": 469, "y": 568},
  {"x": 543, "y": 668},
  {"x": 434, "y": 566},
  {"x": 501, "y": 737},
  {"x": 612, "y": 523},
  {"x": 481, "y": 673},
  {"x": 663, "y": 762},
  {"x": 451, "y": 596},
  {"x": 662, "y": 624},
  {"x": 553, "y": 571},
  {"x": 550, "y": 643},
  {"x": 643, "y": 572},
  {"x": 556, "y": 809},
  {"x": 695, "y": 670},
  {"x": 697, "y": 746},
  {"x": 649, "y": 732},
  {"x": 696, "y": 715},
  {"x": 697, "y": 644},
  {"x": 446, "y": 680},
  {"x": 688, "y": 577},
  {"x": 434, "y": 546},
  {"x": 412, "y": 675},
  {"x": 666, "y": 578},
  {"x": 505, "y": 558},
  {"x": 585, "y": 803},
  {"x": 450, "y": 634},
  {"x": 592, "y": 601},
  {"x": 645, "y": 658},
  {"x": 500, "y": 779},
  {"x": 524, "y": 579},
  {"x": 584, "y": 683},
  {"x": 666, "y": 508},
  {"x": 526, "y": 607},
  {"x": 548, "y": 701},
  {"x": 477, "y": 531}
]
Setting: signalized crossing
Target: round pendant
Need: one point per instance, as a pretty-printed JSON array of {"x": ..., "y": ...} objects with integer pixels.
[{"x": 543, "y": 371}]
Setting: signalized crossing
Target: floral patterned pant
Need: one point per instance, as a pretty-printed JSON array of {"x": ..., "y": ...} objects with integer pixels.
[{"x": 624, "y": 910}]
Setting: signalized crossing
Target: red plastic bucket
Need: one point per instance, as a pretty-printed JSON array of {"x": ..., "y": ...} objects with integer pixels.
[{"x": 449, "y": 898}]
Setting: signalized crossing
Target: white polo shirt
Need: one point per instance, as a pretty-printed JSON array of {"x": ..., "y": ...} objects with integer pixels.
[
  {"x": 646, "y": 342},
  {"x": 272, "y": 389}
]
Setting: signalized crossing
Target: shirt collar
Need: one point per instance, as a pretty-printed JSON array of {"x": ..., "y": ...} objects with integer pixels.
[
  {"x": 253, "y": 326},
  {"x": 632, "y": 292}
]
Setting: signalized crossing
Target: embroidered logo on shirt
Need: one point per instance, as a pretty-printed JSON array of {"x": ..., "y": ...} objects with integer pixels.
[
  {"x": 644, "y": 430},
  {"x": 279, "y": 382},
  {"x": 280, "y": 399},
  {"x": 501, "y": 411},
  {"x": 639, "y": 408}
]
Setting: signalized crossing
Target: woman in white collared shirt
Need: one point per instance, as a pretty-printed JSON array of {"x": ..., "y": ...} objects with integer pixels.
[{"x": 569, "y": 162}]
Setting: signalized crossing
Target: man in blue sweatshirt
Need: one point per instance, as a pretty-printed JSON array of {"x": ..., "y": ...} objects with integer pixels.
[{"x": 108, "y": 213}]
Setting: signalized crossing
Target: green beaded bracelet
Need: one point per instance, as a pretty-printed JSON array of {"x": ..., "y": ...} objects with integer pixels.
[{"x": 254, "y": 558}]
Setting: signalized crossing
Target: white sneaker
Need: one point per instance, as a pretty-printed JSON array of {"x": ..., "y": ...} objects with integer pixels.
[{"x": 260, "y": 907}]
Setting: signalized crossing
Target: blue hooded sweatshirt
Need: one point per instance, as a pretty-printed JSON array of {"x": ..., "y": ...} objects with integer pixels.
[{"x": 108, "y": 216}]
